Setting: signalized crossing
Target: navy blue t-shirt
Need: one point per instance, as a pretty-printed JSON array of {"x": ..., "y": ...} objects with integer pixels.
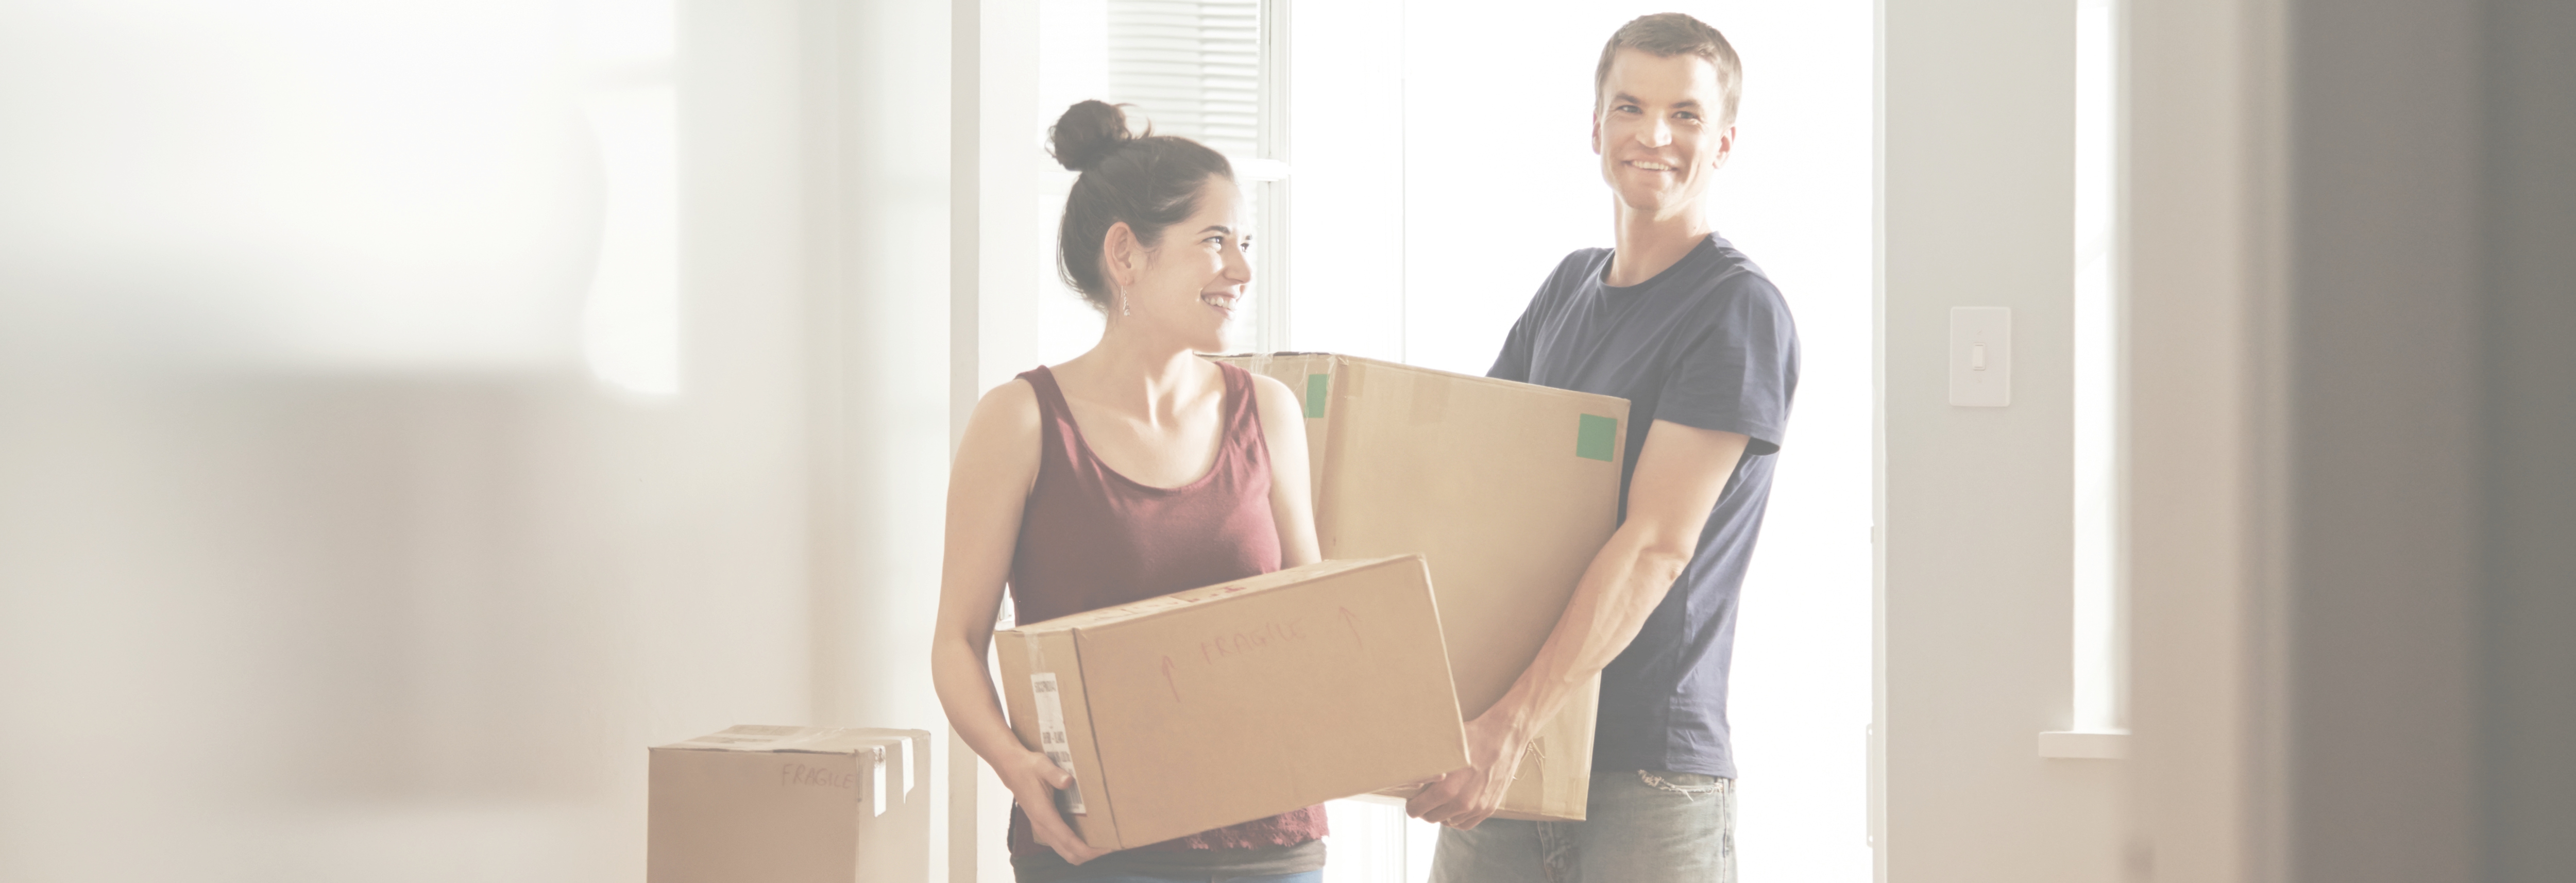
[{"x": 1706, "y": 343}]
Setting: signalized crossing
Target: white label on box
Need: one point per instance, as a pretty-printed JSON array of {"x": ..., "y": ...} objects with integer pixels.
[{"x": 1051, "y": 738}]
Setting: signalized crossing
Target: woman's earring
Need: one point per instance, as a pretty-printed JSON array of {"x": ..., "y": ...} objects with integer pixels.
[{"x": 1122, "y": 304}]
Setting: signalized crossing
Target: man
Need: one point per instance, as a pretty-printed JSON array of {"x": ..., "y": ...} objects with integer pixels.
[{"x": 1690, "y": 332}]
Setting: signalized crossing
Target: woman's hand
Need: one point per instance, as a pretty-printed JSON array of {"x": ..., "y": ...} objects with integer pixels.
[{"x": 1034, "y": 780}]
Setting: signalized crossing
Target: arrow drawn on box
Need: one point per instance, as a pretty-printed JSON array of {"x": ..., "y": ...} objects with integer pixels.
[
  {"x": 1168, "y": 679},
  {"x": 1353, "y": 620}
]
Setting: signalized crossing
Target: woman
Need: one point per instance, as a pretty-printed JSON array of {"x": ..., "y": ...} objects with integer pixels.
[{"x": 1137, "y": 469}]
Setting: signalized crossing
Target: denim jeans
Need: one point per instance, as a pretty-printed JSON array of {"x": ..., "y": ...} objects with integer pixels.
[
  {"x": 1640, "y": 826},
  {"x": 1307, "y": 877}
]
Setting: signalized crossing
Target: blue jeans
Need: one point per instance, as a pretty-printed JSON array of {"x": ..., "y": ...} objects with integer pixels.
[
  {"x": 1307, "y": 877},
  {"x": 1640, "y": 826}
]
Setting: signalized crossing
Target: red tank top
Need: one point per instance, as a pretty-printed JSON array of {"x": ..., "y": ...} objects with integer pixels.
[{"x": 1092, "y": 538}]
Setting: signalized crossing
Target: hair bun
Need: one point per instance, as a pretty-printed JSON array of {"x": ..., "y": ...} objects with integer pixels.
[{"x": 1087, "y": 134}]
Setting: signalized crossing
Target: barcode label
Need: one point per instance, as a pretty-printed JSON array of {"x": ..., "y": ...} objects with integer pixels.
[{"x": 1052, "y": 741}]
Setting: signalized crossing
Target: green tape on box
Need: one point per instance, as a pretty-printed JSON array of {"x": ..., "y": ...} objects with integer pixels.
[
  {"x": 1596, "y": 438},
  {"x": 1315, "y": 387}
]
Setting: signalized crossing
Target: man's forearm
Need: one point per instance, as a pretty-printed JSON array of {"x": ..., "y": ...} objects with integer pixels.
[{"x": 1619, "y": 589}]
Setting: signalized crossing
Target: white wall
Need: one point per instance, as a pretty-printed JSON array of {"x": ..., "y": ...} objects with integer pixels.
[
  {"x": 1977, "y": 210},
  {"x": 2202, "y": 682},
  {"x": 876, "y": 201},
  {"x": 316, "y": 531},
  {"x": 2352, "y": 573}
]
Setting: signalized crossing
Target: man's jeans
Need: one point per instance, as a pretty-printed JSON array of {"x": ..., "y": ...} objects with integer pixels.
[{"x": 1639, "y": 827}]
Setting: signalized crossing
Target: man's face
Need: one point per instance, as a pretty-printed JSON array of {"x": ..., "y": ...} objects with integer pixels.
[{"x": 1659, "y": 132}]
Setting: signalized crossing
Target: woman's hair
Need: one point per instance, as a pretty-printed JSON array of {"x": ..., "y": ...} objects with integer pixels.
[{"x": 1148, "y": 181}]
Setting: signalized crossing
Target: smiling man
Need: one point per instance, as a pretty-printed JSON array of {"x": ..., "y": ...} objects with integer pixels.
[{"x": 1682, "y": 325}]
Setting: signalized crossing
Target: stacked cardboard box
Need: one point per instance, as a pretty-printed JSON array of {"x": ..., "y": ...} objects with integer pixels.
[
  {"x": 1506, "y": 489},
  {"x": 801, "y": 804},
  {"x": 1235, "y": 702}
]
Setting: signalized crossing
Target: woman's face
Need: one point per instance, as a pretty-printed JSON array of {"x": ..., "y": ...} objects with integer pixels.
[{"x": 1194, "y": 280}]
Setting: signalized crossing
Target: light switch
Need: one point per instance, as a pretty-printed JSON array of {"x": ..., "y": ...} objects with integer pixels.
[{"x": 1981, "y": 357}]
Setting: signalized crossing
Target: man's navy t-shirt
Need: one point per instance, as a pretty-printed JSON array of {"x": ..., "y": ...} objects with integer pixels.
[{"x": 1706, "y": 343}]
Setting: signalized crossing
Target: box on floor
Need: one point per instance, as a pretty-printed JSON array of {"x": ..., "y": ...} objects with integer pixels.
[{"x": 790, "y": 805}]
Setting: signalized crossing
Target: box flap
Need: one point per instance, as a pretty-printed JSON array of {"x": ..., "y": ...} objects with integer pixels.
[
  {"x": 1574, "y": 397},
  {"x": 1166, "y": 603},
  {"x": 810, "y": 740}
]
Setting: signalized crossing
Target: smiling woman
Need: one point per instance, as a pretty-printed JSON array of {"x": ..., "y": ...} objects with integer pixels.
[
  {"x": 1133, "y": 470},
  {"x": 1133, "y": 191}
]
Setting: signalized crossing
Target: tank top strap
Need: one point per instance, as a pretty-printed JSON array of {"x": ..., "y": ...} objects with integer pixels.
[
  {"x": 1060, "y": 439},
  {"x": 1051, "y": 404},
  {"x": 1243, "y": 420},
  {"x": 1242, "y": 410}
]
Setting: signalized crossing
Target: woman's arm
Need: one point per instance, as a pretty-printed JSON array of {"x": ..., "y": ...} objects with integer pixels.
[
  {"x": 988, "y": 487},
  {"x": 1292, "y": 490}
]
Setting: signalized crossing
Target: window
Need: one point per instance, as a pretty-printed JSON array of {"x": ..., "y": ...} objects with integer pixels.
[
  {"x": 1209, "y": 70},
  {"x": 2098, "y": 645},
  {"x": 631, "y": 318}
]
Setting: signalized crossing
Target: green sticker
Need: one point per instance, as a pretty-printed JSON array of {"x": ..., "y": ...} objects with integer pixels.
[
  {"x": 1315, "y": 384},
  {"x": 1596, "y": 438}
]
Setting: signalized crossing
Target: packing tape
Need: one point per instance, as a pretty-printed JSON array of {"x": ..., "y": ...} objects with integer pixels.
[
  {"x": 877, "y": 760},
  {"x": 908, "y": 761},
  {"x": 1596, "y": 438}
]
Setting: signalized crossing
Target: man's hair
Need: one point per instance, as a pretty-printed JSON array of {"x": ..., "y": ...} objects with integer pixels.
[{"x": 1667, "y": 34}]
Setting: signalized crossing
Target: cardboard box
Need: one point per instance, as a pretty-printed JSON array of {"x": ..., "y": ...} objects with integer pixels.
[
  {"x": 780, "y": 804},
  {"x": 1233, "y": 702},
  {"x": 1507, "y": 490}
]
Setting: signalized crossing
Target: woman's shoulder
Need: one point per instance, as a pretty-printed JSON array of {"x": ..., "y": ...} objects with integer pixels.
[
  {"x": 1015, "y": 398},
  {"x": 1269, "y": 393},
  {"x": 1009, "y": 417}
]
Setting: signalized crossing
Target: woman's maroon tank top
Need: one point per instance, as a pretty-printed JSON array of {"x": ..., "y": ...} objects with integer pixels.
[{"x": 1092, "y": 538}]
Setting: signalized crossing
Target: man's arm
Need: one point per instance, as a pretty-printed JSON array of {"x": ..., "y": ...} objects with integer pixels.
[{"x": 1679, "y": 476}]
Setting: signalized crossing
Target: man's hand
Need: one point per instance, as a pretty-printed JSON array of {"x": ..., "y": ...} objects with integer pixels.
[
  {"x": 1034, "y": 780},
  {"x": 1680, "y": 473},
  {"x": 1467, "y": 796}
]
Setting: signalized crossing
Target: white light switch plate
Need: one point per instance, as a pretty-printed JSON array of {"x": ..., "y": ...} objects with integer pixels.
[{"x": 1981, "y": 357}]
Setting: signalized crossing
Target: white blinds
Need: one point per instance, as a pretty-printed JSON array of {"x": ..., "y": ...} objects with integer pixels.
[{"x": 1193, "y": 67}]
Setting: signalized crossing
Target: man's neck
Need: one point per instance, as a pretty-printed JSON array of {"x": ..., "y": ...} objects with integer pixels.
[{"x": 1649, "y": 245}]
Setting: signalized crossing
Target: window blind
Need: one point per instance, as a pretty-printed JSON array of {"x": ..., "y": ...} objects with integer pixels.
[{"x": 1192, "y": 67}]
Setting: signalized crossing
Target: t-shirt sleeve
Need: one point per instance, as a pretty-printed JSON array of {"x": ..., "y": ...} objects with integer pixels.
[
  {"x": 1739, "y": 369},
  {"x": 1519, "y": 347},
  {"x": 1513, "y": 363}
]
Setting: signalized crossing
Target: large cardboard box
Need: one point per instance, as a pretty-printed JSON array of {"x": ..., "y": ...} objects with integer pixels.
[
  {"x": 1506, "y": 489},
  {"x": 1229, "y": 703},
  {"x": 790, "y": 805}
]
